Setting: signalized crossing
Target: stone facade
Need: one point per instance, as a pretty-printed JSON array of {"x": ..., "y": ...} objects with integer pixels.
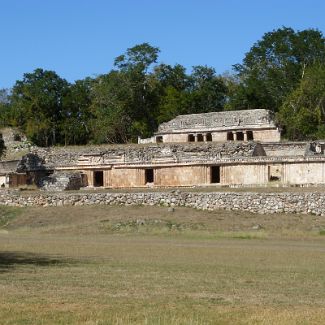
[
  {"x": 213, "y": 164},
  {"x": 245, "y": 125},
  {"x": 176, "y": 165}
]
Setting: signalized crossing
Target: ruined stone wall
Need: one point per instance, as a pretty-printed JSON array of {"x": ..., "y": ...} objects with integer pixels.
[
  {"x": 285, "y": 149},
  {"x": 309, "y": 202},
  {"x": 141, "y": 154}
]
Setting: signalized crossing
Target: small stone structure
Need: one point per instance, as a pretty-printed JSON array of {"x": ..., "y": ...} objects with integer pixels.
[
  {"x": 245, "y": 125},
  {"x": 60, "y": 181},
  {"x": 10, "y": 176}
]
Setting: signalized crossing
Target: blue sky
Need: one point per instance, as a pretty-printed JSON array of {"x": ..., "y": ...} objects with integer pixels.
[{"x": 79, "y": 38}]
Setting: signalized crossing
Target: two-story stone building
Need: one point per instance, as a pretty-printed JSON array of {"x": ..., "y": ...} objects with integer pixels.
[{"x": 244, "y": 125}]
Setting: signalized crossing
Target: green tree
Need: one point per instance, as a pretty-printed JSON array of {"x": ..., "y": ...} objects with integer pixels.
[
  {"x": 37, "y": 102},
  {"x": 139, "y": 57},
  {"x": 5, "y": 118},
  {"x": 207, "y": 91},
  {"x": 171, "y": 76},
  {"x": 111, "y": 122},
  {"x": 135, "y": 66},
  {"x": 171, "y": 84},
  {"x": 174, "y": 102},
  {"x": 302, "y": 115},
  {"x": 76, "y": 113},
  {"x": 275, "y": 65},
  {"x": 125, "y": 100}
]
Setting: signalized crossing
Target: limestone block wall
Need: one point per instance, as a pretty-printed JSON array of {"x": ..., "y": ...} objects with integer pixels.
[
  {"x": 125, "y": 177},
  {"x": 219, "y": 136},
  {"x": 304, "y": 173},
  {"x": 182, "y": 176},
  {"x": 267, "y": 135},
  {"x": 175, "y": 137},
  {"x": 244, "y": 174},
  {"x": 290, "y": 202}
]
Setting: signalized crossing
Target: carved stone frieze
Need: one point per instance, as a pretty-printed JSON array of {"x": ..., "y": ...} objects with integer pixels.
[{"x": 217, "y": 120}]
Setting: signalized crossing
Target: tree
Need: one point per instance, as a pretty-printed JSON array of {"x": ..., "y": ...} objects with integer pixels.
[
  {"x": 174, "y": 102},
  {"x": 37, "y": 102},
  {"x": 302, "y": 115},
  {"x": 171, "y": 76},
  {"x": 125, "y": 100},
  {"x": 139, "y": 57},
  {"x": 135, "y": 65},
  {"x": 275, "y": 65},
  {"x": 5, "y": 118},
  {"x": 76, "y": 113},
  {"x": 207, "y": 91},
  {"x": 111, "y": 122},
  {"x": 171, "y": 84}
]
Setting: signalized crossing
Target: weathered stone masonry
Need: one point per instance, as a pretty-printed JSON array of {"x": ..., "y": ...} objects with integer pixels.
[{"x": 288, "y": 202}]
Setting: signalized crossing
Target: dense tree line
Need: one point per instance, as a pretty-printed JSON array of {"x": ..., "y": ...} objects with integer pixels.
[{"x": 283, "y": 72}]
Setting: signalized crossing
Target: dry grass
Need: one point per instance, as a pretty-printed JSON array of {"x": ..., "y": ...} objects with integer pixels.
[{"x": 145, "y": 265}]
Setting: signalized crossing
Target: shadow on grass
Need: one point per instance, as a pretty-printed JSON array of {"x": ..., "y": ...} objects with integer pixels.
[{"x": 10, "y": 260}]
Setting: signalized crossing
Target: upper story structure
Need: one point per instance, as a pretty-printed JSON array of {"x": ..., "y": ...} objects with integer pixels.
[{"x": 244, "y": 125}]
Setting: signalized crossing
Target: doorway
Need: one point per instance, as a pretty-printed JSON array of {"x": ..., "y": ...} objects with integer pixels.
[
  {"x": 149, "y": 176},
  {"x": 215, "y": 174},
  {"x": 98, "y": 178}
]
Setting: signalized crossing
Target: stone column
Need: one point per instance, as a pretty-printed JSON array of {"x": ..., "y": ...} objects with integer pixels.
[
  {"x": 245, "y": 135},
  {"x": 195, "y": 137},
  {"x": 234, "y": 135},
  {"x": 205, "y": 137}
]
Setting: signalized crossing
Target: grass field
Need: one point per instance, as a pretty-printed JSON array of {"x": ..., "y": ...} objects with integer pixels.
[{"x": 148, "y": 265}]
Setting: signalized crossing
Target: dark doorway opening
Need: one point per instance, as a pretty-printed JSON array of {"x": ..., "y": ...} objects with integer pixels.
[
  {"x": 98, "y": 178},
  {"x": 250, "y": 136},
  {"x": 149, "y": 176},
  {"x": 159, "y": 139},
  {"x": 240, "y": 136},
  {"x": 230, "y": 136},
  {"x": 200, "y": 138},
  {"x": 209, "y": 137},
  {"x": 215, "y": 174},
  {"x": 191, "y": 138}
]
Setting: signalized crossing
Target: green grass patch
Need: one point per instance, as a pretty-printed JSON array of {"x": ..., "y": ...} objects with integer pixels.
[{"x": 7, "y": 214}]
